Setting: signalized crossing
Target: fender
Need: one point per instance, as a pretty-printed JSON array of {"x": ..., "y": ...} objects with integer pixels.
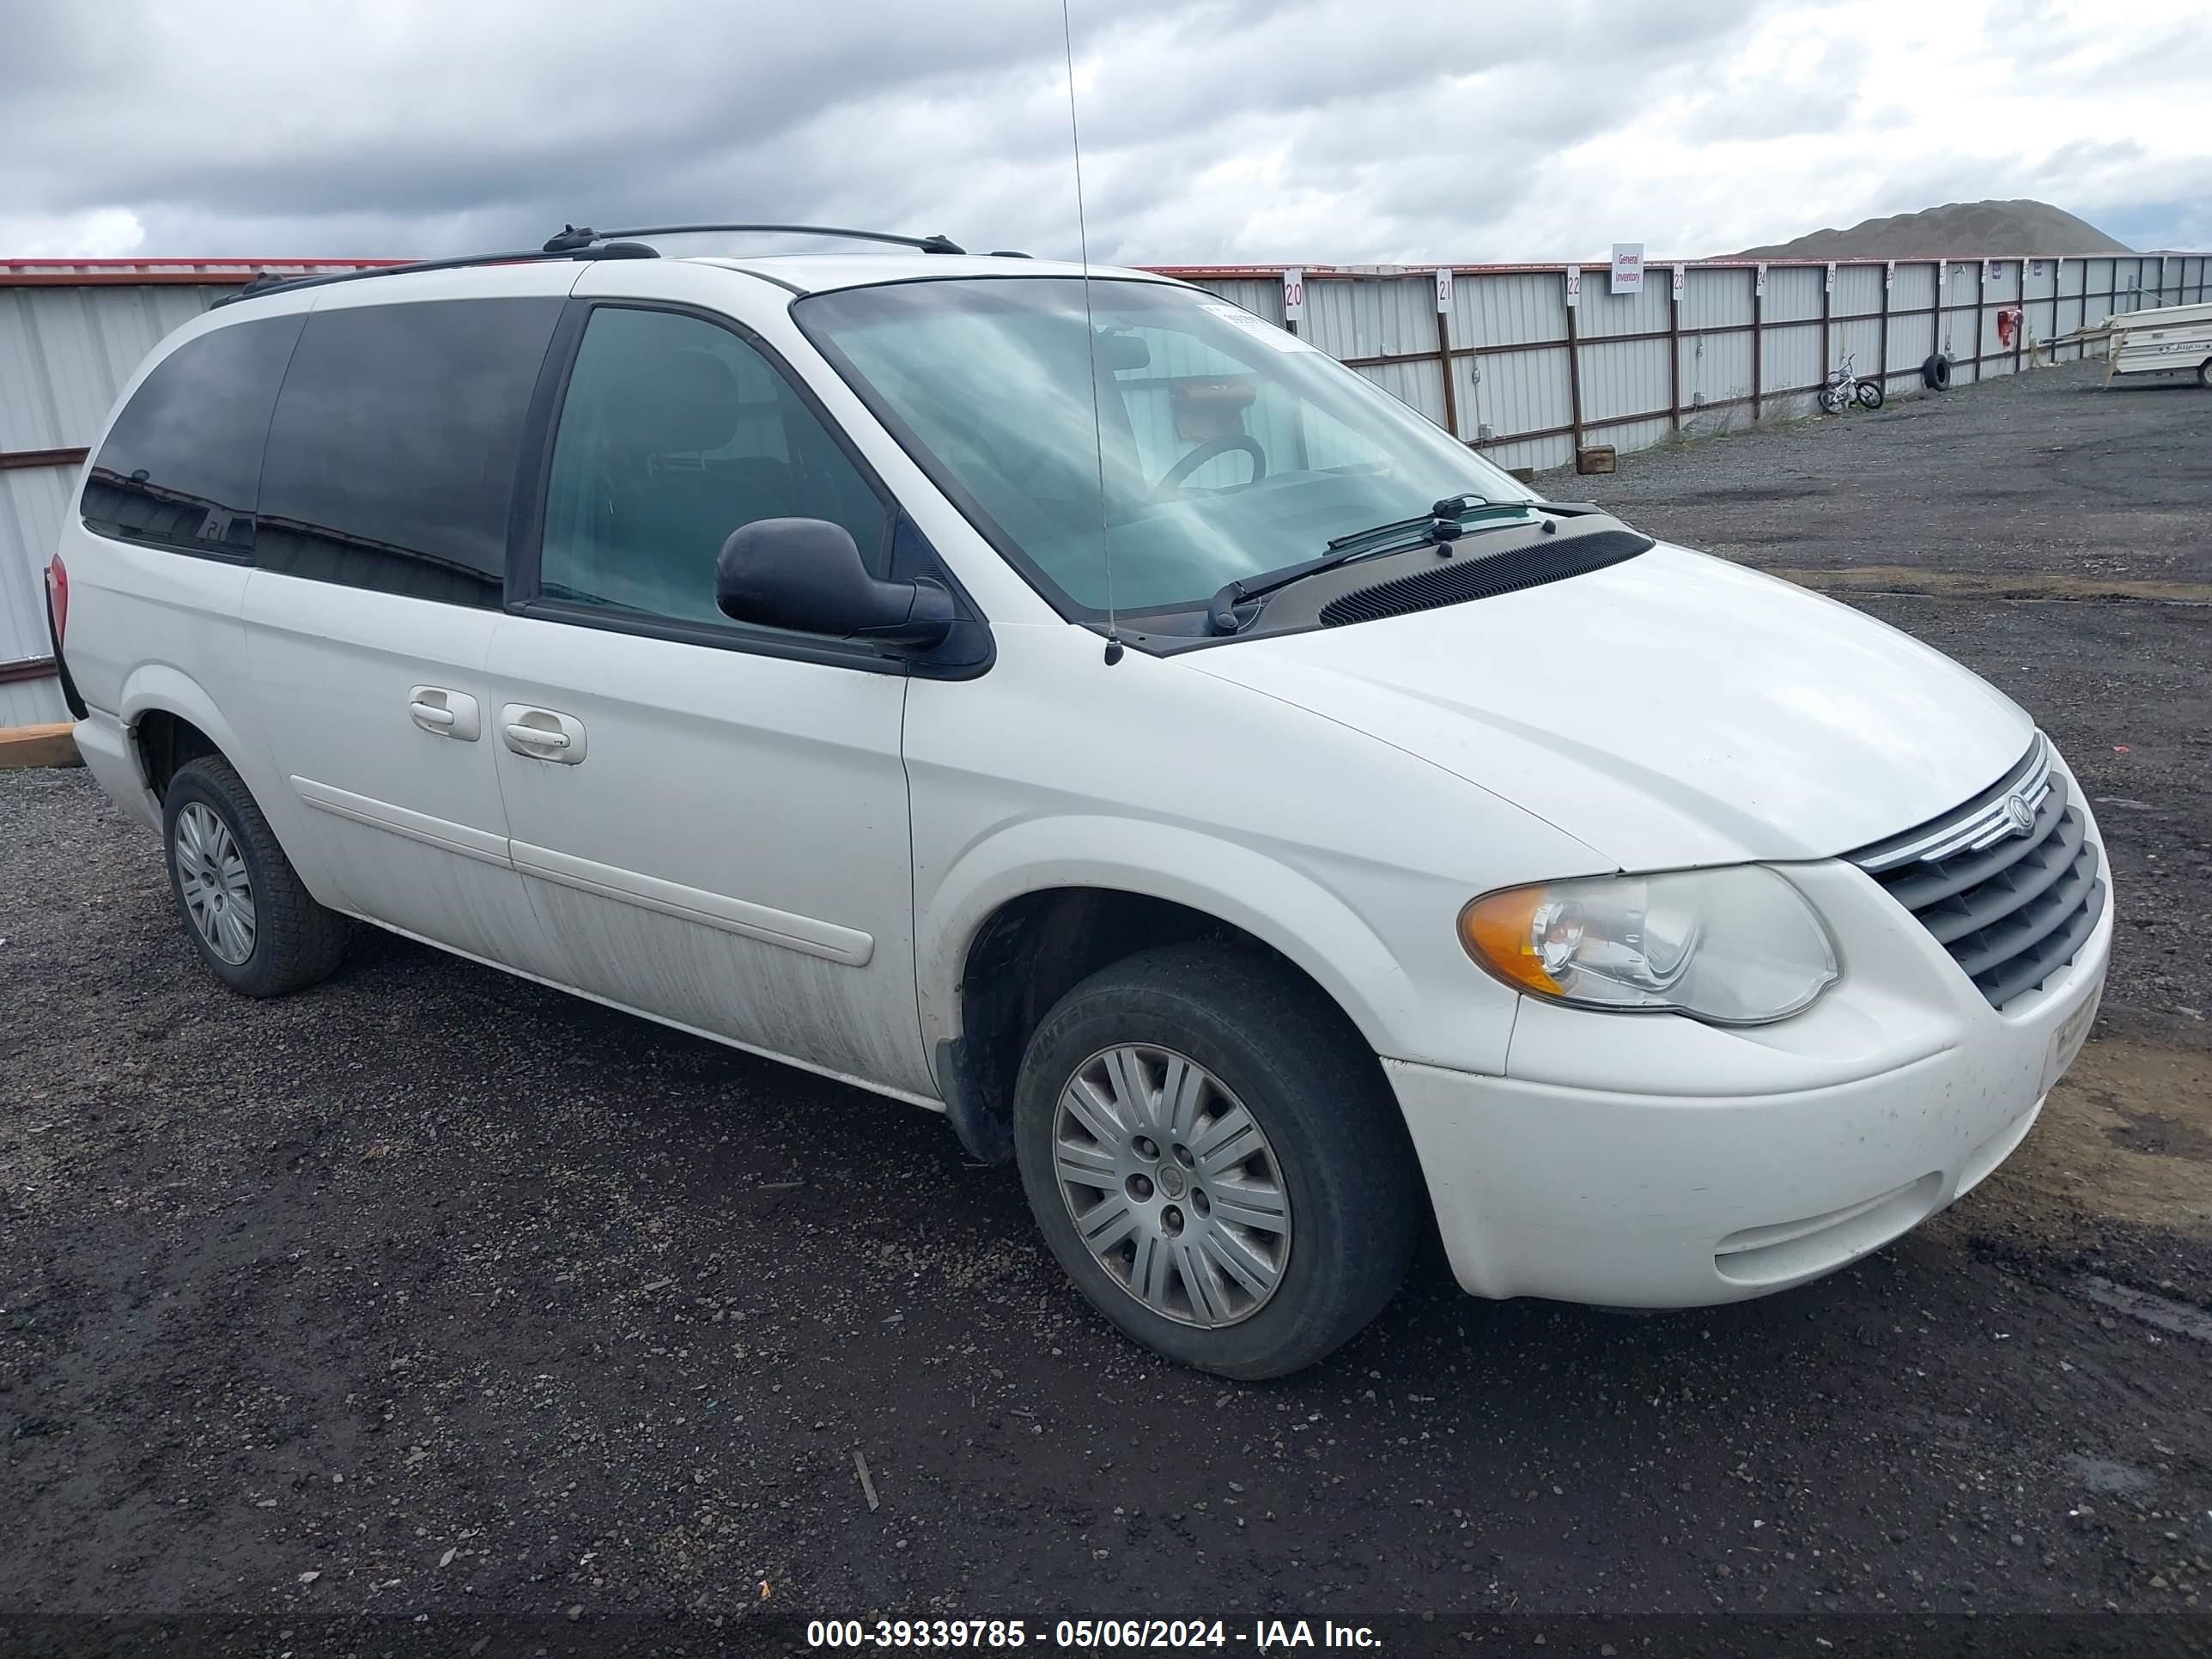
[
  {"x": 1269, "y": 900},
  {"x": 159, "y": 685}
]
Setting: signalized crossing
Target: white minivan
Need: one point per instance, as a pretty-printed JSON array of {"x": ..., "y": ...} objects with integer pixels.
[{"x": 1073, "y": 704}]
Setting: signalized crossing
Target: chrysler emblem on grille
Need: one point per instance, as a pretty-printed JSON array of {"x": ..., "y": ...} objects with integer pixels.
[{"x": 2019, "y": 814}]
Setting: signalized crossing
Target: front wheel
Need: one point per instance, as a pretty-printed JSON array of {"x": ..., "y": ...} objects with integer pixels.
[
  {"x": 1215, "y": 1159},
  {"x": 1869, "y": 394},
  {"x": 2204, "y": 372},
  {"x": 1832, "y": 399}
]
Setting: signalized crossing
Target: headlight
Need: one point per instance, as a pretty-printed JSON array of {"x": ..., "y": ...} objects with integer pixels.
[{"x": 1738, "y": 946}]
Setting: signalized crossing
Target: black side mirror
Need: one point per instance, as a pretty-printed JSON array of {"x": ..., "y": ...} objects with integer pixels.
[{"x": 805, "y": 574}]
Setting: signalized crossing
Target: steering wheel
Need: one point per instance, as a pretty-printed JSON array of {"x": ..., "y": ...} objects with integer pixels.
[{"x": 1208, "y": 451}]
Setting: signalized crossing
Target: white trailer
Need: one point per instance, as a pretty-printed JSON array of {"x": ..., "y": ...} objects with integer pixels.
[{"x": 2170, "y": 341}]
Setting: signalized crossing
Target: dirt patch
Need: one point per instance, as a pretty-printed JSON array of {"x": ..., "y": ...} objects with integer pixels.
[
  {"x": 2114, "y": 1182},
  {"x": 2128, "y": 1134}
]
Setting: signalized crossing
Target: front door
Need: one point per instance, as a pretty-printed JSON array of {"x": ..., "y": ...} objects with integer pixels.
[{"x": 711, "y": 817}]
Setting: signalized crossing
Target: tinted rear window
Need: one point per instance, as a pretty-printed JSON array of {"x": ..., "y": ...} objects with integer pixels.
[
  {"x": 392, "y": 457},
  {"x": 182, "y": 464}
]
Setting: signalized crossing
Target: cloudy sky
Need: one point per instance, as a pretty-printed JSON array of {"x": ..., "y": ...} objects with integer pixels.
[{"x": 1213, "y": 130}]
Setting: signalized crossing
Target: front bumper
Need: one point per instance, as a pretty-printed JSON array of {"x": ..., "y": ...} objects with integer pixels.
[{"x": 1651, "y": 1162}]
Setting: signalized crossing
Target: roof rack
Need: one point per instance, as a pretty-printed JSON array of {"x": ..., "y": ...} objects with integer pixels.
[
  {"x": 580, "y": 242},
  {"x": 267, "y": 284},
  {"x": 574, "y": 237}
]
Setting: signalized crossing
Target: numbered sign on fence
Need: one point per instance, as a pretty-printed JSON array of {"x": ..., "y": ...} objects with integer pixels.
[
  {"x": 1989, "y": 273},
  {"x": 1294, "y": 295},
  {"x": 1888, "y": 275},
  {"x": 1443, "y": 287},
  {"x": 1574, "y": 285},
  {"x": 1759, "y": 280},
  {"x": 1829, "y": 286},
  {"x": 1678, "y": 269}
]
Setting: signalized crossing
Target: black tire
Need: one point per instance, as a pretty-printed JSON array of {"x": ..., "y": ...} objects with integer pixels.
[
  {"x": 1334, "y": 1134},
  {"x": 2204, "y": 372},
  {"x": 1831, "y": 400},
  {"x": 1937, "y": 372},
  {"x": 295, "y": 942},
  {"x": 1869, "y": 394}
]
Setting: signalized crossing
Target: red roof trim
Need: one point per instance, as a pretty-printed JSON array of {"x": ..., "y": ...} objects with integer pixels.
[{"x": 209, "y": 273}]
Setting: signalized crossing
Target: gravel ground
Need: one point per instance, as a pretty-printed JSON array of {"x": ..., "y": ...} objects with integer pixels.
[
  {"x": 2049, "y": 475},
  {"x": 431, "y": 1295}
]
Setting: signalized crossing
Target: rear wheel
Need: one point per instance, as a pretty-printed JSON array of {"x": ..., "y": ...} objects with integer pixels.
[
  {"x": 2204, "y": 372},
  {"x": 1834, "y": 398},
  {"x": 256, "y": 925},
  {"x": 1869, "y": 394},
  {"x": 1215, "y": 1159}
]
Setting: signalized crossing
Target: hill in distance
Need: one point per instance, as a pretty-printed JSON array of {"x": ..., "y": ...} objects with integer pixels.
[{"x": 1988, "y": 228}]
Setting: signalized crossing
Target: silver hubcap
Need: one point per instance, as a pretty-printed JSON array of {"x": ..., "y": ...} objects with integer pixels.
[
  {"x": 211, "y": 876},
  {"x": 1171, "y": 1185}
]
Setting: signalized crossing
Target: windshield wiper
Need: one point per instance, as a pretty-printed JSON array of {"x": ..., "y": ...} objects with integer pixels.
[{"x": 1446, "y": 521}]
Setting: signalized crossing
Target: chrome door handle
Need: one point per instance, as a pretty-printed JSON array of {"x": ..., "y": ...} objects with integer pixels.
[
  {"x": 444, "y": 713},
  {"x": 543, "y": 734}
]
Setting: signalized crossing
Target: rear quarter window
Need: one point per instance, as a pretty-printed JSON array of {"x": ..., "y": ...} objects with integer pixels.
[
  {"x": 392, "y": 456},
  {"x": 181, "y": 466}
]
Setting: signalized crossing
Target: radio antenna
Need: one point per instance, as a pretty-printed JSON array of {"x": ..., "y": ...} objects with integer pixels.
[{"x": 1089, "y": 340}]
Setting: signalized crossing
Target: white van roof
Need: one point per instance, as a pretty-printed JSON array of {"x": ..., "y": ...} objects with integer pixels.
[{"x": 799, "y": 273}]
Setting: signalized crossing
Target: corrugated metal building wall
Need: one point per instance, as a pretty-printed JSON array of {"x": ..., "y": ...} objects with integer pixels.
[{"x": 1526, "y": 364}]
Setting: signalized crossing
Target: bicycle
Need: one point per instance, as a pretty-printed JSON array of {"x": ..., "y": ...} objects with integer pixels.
[{"x": 1843, "y": 386}]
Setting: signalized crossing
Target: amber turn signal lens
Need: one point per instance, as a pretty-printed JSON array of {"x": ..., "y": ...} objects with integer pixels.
[{"x": 1500, "y": 931}]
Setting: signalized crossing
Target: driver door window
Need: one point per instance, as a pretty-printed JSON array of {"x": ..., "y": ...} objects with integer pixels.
[{"x": 676, "y": 432}]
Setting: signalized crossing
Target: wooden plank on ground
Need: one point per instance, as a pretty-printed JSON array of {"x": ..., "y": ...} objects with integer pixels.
[{"x": 37, "y": 745}]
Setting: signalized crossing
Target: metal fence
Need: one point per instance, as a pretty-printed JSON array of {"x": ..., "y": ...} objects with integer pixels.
[{"x": 1528, "y": 364}]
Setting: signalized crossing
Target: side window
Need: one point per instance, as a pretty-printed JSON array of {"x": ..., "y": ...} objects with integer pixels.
[
  {"x": 674, "y": 433},
  {"x": 392, "y": 457},
  {"x": 182, "y": 464}
]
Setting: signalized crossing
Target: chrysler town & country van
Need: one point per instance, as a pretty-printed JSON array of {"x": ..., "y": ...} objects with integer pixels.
[{"x": 1070, "y": 703}]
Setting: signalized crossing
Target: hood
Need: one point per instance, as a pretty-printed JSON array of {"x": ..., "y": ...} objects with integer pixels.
[{"x": 1670, "y": 711}]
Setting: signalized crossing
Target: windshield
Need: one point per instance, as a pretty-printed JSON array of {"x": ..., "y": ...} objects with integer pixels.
[{"x": 1228, "y": 446}]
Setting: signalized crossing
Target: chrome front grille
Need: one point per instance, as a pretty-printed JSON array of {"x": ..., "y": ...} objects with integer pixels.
[{"x": 2009, "y": 884}]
